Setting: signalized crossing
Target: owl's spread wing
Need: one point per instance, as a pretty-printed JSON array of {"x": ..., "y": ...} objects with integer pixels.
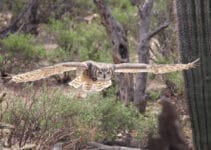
[
  {"x": 48, "y": 71},
  {"x": 153, "y": 68}
]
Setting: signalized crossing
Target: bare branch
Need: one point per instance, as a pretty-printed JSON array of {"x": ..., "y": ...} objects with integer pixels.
[
  {"x": 2, "y": 95},
  {"x": 157, "y": 30},
  {"x": 25, "y": 17},
  {"x": 146, "y": 8},
  {"x": 102, "y": 146}
]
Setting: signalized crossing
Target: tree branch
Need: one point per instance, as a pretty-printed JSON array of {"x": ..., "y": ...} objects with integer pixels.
[
  {"x": 157, "y": 30},
  {"x": 146, "y": 8},
  {"x": 22, "y": 18},
  {"x": 102, "y": 146}
]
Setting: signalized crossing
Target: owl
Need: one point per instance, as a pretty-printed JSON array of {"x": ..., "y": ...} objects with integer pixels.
[{"x": 96, "y": 76}]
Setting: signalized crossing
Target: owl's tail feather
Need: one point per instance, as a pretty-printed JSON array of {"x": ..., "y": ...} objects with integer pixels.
[
  {"x": 100, "y": 85},
  {"x": 87, "y": 87}
]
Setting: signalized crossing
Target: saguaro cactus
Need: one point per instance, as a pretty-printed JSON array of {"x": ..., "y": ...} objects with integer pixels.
[{"x": 194, "y": 28}]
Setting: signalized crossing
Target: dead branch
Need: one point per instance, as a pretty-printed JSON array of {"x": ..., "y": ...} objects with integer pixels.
[
  {"x": 145, "y": 10},
  {"x": 143, "y": 54},
  {"x": 26, "y": 17},
  {"x": 143, "y": 51},
  {"x": 106, "y": 147},
  {"x": 158, "y": 29},
  {"x": 2, "y": 96}
]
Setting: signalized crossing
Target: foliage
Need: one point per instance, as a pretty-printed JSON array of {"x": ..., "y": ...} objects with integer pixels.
[
  {"x": 16, "y": 45},
  {"x": 154, "y": 94},
  {"x": 42, "y": 119},
  {"x": 98, "y": 117},
  {"x": 94, "y": 118},
  {"x": 107, "y": 117},
  {"x": 164, "y": 60},
  {"x": 56, "y": 54},
  {"x": 83, "y": 5},
  {"x": 20, "y": 50},
  {"x": 110, "y": 117},
  {"x": 14, "y": 5},
  {"x": 82, "y": 40},
  {"x": 126, "y": 14},
  {"x": 177, "y": 79},
  {"x": 1, "y": 61}
]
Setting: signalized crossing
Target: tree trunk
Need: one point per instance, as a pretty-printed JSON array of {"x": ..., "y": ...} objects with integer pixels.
[
  {"x": 104, "y": 147},
  {"x": 143, "y": 54},
  {"x": 194, "y": 26},
  {"x": 120, "y": 53},
  {"x": 143, "y": 51}
]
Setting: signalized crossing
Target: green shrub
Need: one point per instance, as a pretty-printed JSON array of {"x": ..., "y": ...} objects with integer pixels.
[
  {"x": 164, "y": 60},
  {"x": 94, "y": 118},
  {"x": 125, "y": 13},
  {"x": 83, "y": 5},
  {"x": 107, "y": 117},
  {"x": 177, "y": 79},
  {"x": 84, "y": 41},
  {"x": 57, "y": 53},
  {"x": 174, "y": 77},
  {"x": 154, "y": 94},
  {"x": 39, "y": 117},
  {"x": 15, "y": 5},
  {"x": 19, "y": 52},
  {"x": 1, "y": 62},
  {"x": 22, "y": 46}
]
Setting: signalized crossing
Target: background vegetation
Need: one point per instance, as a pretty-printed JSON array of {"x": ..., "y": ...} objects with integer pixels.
[{"x": 65, "y": 34}]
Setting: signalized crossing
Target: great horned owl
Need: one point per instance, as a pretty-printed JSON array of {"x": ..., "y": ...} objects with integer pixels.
[{"x": 96, "y": 76}]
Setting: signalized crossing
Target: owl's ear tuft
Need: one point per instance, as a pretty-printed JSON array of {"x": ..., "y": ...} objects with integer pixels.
[
  {"x": 90, "y": 67},
  {"x": 112, "y": 68},
  {"x": 91, "y": 71}
]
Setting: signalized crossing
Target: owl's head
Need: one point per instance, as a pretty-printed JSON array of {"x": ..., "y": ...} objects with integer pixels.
[
  {"x": 100, "y": 71},
  {"x": 104, "y": 73}
]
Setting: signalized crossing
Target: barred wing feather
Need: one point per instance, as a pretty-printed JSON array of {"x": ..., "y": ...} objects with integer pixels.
[
  {"x": 154, "y": 68},
  {"x": 46, "y": 72}
]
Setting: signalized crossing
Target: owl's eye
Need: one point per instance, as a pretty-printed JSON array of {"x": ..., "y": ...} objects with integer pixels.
[
  {"x": 109, "y": 72},
  {"x": 100, "y": 72}
]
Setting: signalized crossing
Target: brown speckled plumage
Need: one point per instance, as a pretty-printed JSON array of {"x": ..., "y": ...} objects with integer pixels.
[{"x": 97, "y": 76}]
